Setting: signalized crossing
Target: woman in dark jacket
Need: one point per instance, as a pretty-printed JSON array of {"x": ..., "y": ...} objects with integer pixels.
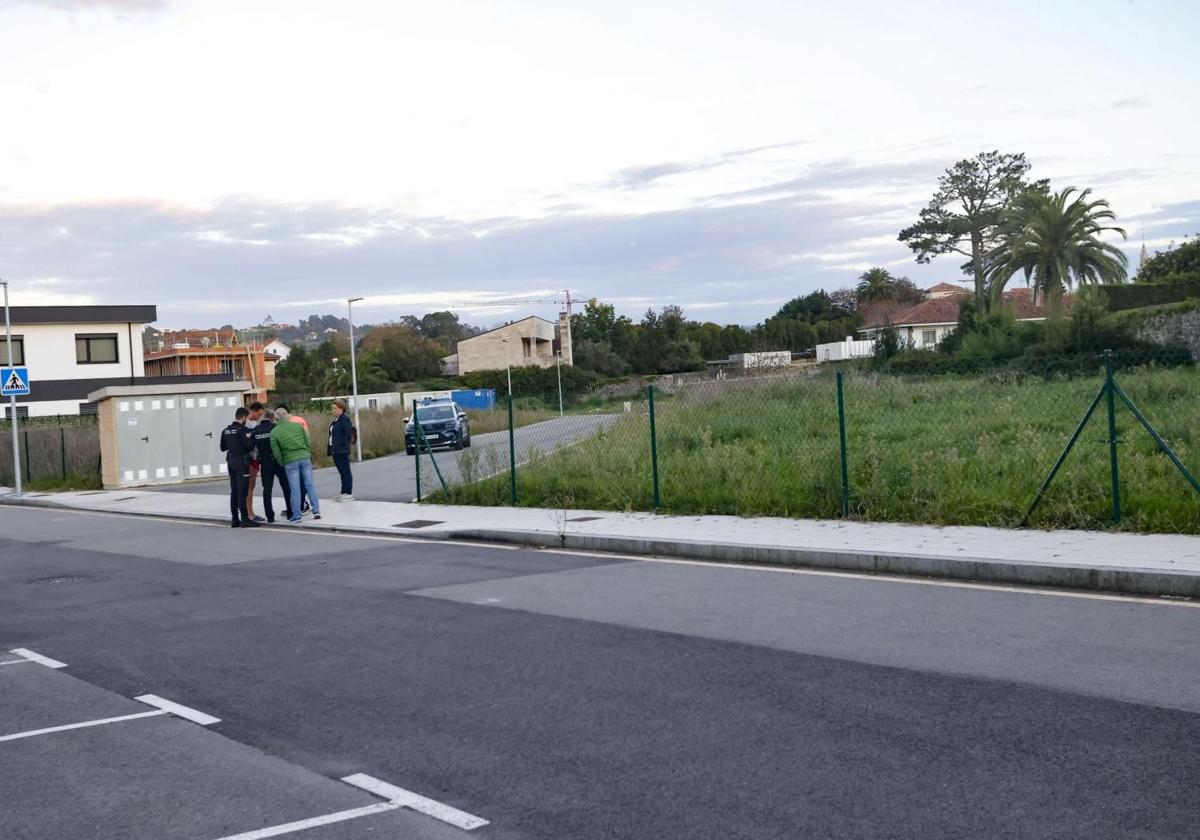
[{"x": 341, "y": 438}]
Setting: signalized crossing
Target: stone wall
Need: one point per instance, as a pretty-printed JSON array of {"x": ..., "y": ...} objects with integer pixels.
[{"x": 1178, "y": 328}]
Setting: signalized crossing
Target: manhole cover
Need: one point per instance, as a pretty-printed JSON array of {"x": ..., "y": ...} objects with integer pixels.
[
  {"x": 585, "y": 518},
  {"x": 47, "y": 581},
  {"x": 418, "y": 523}
]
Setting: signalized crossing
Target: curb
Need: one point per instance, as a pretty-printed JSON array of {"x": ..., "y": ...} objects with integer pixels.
[{"x": 1128, "y": 580}]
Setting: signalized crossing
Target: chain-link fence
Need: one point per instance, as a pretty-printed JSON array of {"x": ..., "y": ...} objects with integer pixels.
[
  {"x": 974, "y": 442},
  {"x": 53, "y": 450}
]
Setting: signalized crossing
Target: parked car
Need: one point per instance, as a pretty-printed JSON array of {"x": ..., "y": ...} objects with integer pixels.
[{"x": 443, "y": 423}]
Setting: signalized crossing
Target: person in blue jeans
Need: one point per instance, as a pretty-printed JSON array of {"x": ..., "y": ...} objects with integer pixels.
[
  {"x": 341, "y": 438},
  {"x": 291, "y": 447}
]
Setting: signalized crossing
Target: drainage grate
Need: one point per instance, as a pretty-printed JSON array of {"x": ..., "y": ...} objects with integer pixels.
[
  {"x": 50, "y": 581},
  {"x": 585, "y": 518},
  {"x": 418, "y": 523}
]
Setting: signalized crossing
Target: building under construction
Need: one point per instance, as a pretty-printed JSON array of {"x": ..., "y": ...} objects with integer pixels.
[{"x": 213, "y": 352}]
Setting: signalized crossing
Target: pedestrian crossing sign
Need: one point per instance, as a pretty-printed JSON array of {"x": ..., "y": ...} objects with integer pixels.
[{"x": 14, "y": 381}]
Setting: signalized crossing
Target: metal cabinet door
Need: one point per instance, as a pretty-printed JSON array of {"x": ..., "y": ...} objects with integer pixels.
[
  {"x": 201, "y": 419},
  {"x": 147, "y": 440}
]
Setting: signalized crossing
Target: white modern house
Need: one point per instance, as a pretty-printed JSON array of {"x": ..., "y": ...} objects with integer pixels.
[
  {"x": 278, "y": 348},
  {"x": 72, "y": 351}
]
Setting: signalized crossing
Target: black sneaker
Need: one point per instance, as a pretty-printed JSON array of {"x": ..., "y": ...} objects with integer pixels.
[
  {"x": 316, "y": 516},
  {"x": 250, "y": 523}
]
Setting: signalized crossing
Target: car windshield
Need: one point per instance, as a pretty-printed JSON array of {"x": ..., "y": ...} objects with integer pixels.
[{"x": 435, "y": 412}]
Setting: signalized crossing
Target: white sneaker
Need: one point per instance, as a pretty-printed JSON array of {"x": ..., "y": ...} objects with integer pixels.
[{"x": 343, "y": 497}]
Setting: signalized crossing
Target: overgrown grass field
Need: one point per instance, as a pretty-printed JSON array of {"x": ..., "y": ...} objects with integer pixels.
[{"x": 964, "y": 450}]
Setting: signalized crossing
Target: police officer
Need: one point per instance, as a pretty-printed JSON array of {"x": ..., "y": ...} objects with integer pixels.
[
  {"x": 237, "y": 442},
  {"x": 270, "y": 469}
]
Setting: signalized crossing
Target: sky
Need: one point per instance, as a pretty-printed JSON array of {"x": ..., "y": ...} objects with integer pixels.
[{"x": 232, "y": 160}]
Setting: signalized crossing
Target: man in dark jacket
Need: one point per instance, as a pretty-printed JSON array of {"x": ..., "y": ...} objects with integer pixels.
[
  {"x": 270, "y": 469},
  {"x": 341, "y": 438},
  {"x": 237, "y": 442}
]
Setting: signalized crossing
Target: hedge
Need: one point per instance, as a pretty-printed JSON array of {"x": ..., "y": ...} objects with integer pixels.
[{"x": 1137, "y": 295}]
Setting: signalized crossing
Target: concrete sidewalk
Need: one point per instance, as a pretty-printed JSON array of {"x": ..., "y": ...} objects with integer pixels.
[{"x": 1131, "y": 563}]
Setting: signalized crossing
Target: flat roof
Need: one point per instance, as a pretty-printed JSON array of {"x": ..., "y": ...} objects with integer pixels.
[{"x": 135, "y": 314}]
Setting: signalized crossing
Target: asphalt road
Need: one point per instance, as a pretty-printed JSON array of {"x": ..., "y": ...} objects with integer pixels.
[
  {"x": 560, "y": 695},
  {"x": 393, "y": 478}
]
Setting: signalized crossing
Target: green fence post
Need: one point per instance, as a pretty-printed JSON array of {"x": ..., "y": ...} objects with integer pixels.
[
  {"x": 28, "y": 471},
  {"x": 62, "y": 450},
  {"x": 654, "y": 450},
  {"x": 1112, "y": 436},
  {"x": 842, "y": 437},
  {"x": 417, "y": 448},
  {"x": 512, "y": 453}
]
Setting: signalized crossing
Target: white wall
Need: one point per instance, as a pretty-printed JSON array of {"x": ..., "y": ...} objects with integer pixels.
[
  {"x": 848, "y": 349},
  {"x": 50, "y": 351}
]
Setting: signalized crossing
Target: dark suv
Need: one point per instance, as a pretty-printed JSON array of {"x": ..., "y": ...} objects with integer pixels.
[{"x": 443, "y": 423}]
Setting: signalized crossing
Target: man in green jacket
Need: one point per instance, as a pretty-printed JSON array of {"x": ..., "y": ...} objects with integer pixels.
[{"x": 292, "y": 449}]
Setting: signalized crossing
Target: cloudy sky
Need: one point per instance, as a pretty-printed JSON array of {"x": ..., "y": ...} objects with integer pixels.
[{"x": 229, "y": 160}]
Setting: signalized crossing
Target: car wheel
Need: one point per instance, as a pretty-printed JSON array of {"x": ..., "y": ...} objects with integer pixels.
[
  {"x": 467, "y": 442},
  {"x": 458, "y": 443},
  {"x": 410, "y": 450}
]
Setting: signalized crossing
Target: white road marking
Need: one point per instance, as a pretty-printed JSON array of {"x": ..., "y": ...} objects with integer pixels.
[
  {"x": 178, "y": 710},
  {"x": 1147, "y": 600},
  {"x": 16, "y": 662},
  {"x": 313, "y": 822},
  {"x": 81, "y": 725},
  {"x": 38, "y": 658},
  {"x": 415, "y": 802}
]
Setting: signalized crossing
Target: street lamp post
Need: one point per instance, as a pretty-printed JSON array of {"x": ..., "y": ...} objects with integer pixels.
[
  {"x": 354, "y": 373},
  {"x": 12, "y": 404}
]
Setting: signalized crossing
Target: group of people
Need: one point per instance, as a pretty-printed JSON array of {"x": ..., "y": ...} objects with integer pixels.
[{"x": 276, "y": 446}]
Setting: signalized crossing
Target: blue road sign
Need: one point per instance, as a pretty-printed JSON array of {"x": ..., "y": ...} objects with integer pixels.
[{"x": 14, "y": 382}]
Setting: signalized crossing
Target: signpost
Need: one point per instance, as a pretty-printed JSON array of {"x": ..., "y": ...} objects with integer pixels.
[{"x": 20, "y": 383}]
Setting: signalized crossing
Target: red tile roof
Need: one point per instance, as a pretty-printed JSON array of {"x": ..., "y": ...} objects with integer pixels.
[
  {"x": 944, "y": 310},
  {"x": 947, "y": 287}
]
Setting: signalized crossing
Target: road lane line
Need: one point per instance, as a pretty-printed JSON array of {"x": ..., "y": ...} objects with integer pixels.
[
  {"x": 179, "y": 711},
  {"x": 17, "y": 662},
  {"x": 38, "y": 658},
  {"x": 82, "y": 725},
  {"x": 1148, "y": 600},
  {"x": 415, "y": 802},
  {"x": 313, "y": 822}
]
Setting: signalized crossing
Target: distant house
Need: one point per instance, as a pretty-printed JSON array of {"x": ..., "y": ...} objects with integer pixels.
[
  {"x": 524, "y": 343},
  {"x": 278, "y": 348},
  {"x": 931, "y": 320}
]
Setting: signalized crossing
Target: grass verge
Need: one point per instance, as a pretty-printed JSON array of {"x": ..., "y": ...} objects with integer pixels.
[{"x": 951, "y": 450}]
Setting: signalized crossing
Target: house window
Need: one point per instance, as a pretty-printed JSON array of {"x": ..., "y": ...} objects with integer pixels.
[
  {"x": 929, "y": 336},
  {"x": 227, "y": 367},
  {"x": 89, "y": 409},
  {"x": 98, "y": 349},
  {"x": 22, "y": 412},
  {"x": 526, "y": 347},
  {"x": 18, "y": 345}
]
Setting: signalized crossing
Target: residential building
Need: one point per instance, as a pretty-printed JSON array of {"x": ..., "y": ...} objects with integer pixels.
[
  {"x": 277, "y": 348},
  {"x": 924, "y": 325},
  {"x": 214, "y": 353},
  {"x": 943, "y": 290},
  {"x": 524, "y": 343},
  {"x": 71, "y": 351}
]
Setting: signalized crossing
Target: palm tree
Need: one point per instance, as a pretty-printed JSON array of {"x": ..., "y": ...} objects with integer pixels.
[
  {"x": 876, "y": 284},
  {"x": 1055, "y": 241}
]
